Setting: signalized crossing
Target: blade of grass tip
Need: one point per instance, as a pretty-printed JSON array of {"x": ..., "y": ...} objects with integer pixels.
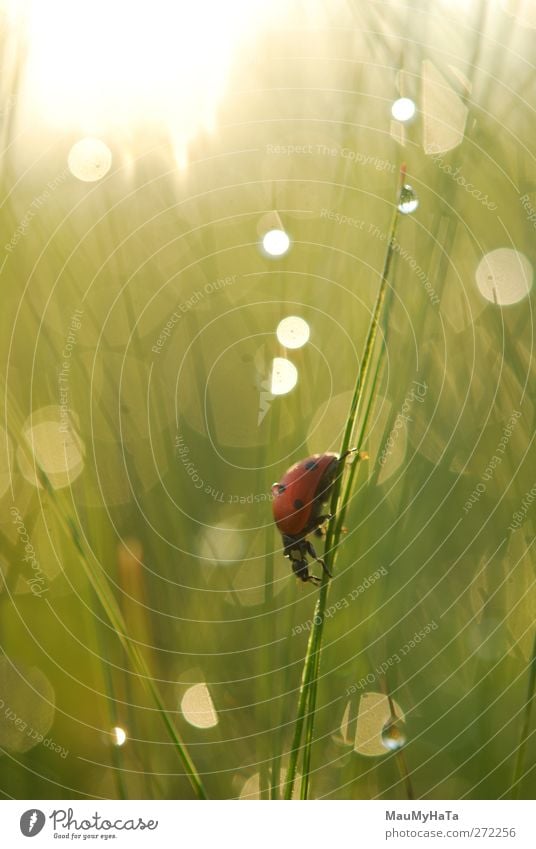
[
  {"x": 523, "y": 737},
  {"x": 111, "y": 608},
  {"x": 311, "y": 662}
]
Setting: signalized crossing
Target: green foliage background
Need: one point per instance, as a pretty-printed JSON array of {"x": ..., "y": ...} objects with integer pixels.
[{"x": 190, "y": 551}]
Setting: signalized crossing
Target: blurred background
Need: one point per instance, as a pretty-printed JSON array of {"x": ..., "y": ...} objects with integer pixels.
[{"x": 195, "y": 208}]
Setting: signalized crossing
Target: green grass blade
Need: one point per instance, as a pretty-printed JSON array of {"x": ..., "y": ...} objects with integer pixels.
[{"x": 307, "y": 693}]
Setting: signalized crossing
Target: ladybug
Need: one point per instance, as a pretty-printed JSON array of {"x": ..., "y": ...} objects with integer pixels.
[{"x": 298, "y": 506}]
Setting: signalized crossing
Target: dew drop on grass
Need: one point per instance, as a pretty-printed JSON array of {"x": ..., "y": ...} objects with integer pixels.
[
  {"x": 119, "y": 736},
  {"x": 394, "y": 734},
  {"x": 373, "y": 715},
  {"x": 408, "y": 201}
]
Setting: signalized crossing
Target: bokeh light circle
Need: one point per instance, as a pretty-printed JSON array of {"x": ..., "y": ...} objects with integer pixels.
[
  {"x": 276, "y": 242},
  {"x": 504, "y": 276},
  {"x": 89, "y": 160},
  {"x": 403, "y": 109},
  {"x": 293, "y": 332}
]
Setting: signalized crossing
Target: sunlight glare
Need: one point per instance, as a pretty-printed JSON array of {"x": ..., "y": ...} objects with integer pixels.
[{"x": 100, "y": 66}]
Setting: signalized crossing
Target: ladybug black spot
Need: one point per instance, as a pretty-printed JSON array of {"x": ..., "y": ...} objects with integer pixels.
[
  {"x": 298, "y": 504},
  {"x": 312, "y": 464},
  {"x": 281, "y": 487}
]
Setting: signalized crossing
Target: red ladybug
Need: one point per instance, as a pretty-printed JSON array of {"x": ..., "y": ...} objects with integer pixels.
[{"x": 298, "y": 505}]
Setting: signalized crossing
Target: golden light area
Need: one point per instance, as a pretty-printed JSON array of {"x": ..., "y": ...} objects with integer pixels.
[
  {"x": 293, "y": 332},
  {"x": 524, "y": 11},
  {"x": 504, "y": 276},
  {"x": 373, "y": 715},
  {"x": 284, "y": 376},
  {"x": 198, "y": 708},
  {"x": 444, "y": 112},
  {"x": 96, "y": 67}
]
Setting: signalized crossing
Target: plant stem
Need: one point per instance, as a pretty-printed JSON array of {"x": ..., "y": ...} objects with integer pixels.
[
  {"x": 523, "y": 738},
  {"x": 307, "y": 693},
  {"x": 304, "y": 792},
  {"x": 300, "y": 717}
]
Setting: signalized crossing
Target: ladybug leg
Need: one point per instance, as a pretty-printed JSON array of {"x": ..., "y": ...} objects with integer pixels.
[
  {"x": 314, "y": 580},
  {"x": 361, "y": 455},
  {"x": 312, "y": 552},
  {"x": 320, "y": 530},
  {"x": 300, "y": 569}
]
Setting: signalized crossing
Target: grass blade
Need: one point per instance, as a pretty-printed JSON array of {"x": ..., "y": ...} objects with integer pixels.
[{"x": 307, "y": 692}]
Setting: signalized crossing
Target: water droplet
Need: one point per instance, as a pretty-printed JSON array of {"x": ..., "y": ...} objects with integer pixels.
[
  {"x": 394, "y": 734},
  {"x": 408, "y": 201},
  {"x": 119, "y": 736}
]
